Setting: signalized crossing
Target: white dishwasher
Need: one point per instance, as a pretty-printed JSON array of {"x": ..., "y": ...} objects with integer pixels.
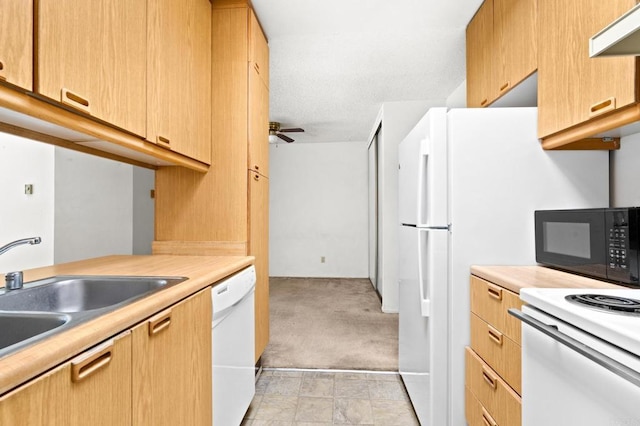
[{"x": 233, "y": 340}]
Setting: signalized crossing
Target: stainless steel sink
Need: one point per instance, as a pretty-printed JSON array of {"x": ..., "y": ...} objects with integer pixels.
[
  {"x": 23, "y": 327},
  {"x": 45, "y": 307},
  {"x": 82, "y": 293}
]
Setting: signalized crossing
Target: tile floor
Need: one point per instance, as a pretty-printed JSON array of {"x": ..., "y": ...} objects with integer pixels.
[{"x": 315, "y": 398}]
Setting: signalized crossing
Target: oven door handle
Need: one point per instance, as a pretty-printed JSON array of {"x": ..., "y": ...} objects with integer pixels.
[{"x": 599, "y": 358}]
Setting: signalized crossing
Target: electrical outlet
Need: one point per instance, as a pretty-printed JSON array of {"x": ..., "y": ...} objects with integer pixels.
[
  {"x": 28, "y": 189},
  {"x": 322, "y": 259}
]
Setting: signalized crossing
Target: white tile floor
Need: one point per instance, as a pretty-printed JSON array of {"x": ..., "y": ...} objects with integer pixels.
[{"x": 308, "y": 397}]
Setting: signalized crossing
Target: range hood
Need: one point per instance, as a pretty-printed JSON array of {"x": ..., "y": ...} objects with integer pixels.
[{"x": 620, "y": 38}]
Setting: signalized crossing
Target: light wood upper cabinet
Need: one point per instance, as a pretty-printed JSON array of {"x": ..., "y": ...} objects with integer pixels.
[
  {"x": 480, "y": 52},
  {"x": 514, "y": 29},
  {"x": 573, "y": 89},
  {"x": 92, "y": 389},
  {"x": 16, "y": 43},
  {"x": 172, "y": 365},
  {"x": 258, "y": 48},
  {"x": 259, "y": 247},
  {"x": 258, "y": 98},
  {"x": 226, "y": 210},
  {"x": 501, "y": 49},
  {"x": 91, "y": 56},
  {"x": 258, "y": 124},
  {"x": 179, "y": 76}
]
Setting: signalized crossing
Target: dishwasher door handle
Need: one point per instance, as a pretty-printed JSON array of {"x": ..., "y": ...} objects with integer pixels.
[{"x": 598, "y": 357}]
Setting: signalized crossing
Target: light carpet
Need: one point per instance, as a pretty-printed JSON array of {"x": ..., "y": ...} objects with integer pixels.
[{"x": 329, "y": 323}]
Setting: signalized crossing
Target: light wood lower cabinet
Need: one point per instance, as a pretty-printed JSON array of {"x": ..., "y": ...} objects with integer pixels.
[
  {"x": 493, "y": 362},
  {"x": 259, "y": 247},
  {"x": 499, "y": 351},
  {"x": 491, "y": 303},
  {"x": 92, "y": 389},
  {"x": 501, "y": 402},
  {"x": 172, "y": 365},
  {"x": 157, "y": 373},
  {"x": 476, "y": 414}
]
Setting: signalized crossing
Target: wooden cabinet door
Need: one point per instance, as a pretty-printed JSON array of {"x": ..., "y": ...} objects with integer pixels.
[
  {"x": 91, "y": 56},
  {"x": 258, "y": 48},
  {"x": 514, "y": 28},
  {"x": 258, "y": 124},
  {"x": 572, "y": 88},
  {"x": 16, "y": 43},
  {"x": 172, "y": 365},
  {"x": 92, "y": 389},
  {"x": 179, "y": 76},
  {"x": 480, "y": 55},
  {"x": 259, "y": 247}
]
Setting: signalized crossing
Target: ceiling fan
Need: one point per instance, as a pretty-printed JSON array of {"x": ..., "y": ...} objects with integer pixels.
[{"x": 275, "y": 132}]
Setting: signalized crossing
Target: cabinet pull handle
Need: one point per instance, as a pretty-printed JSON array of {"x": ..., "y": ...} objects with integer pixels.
[
  {"x": 484, "y": 102},
  {"x": 494, "y": 291},
  {"x": 74, "y": 100},
  {"x": 163, "y": 140},
  {"x": 256, "y": 167},
  {"x": 602, "y": 107},
  {"x": 256, "y": 67},
  {"x": 2, "y": 76},
  {"x": 487, "y": 419},
  {"x": 495, "y": 335},
  {"x": 489, "y": 378},
  {"x": 159, "y": 322},
  {"x": 256, "y": 176},
  {"x": 87, "y": 364},
  {"x": 505, "y": 86}
]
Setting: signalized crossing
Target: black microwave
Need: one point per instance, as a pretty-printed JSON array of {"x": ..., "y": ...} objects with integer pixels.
[{"x": 599, "y": 243}]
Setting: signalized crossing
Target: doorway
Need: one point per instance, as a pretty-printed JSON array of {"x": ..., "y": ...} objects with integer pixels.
[{"x": 373, "y": 212}]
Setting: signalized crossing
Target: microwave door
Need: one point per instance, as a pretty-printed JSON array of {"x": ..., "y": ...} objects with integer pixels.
[{"x": 572, "y": 240}]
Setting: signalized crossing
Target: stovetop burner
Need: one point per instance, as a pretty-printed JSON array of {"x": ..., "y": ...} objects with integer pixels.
[{"x": 613, "y": 304}]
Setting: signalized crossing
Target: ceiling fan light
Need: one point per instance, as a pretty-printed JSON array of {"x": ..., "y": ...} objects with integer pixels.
[{"x": 273, "y": 138}]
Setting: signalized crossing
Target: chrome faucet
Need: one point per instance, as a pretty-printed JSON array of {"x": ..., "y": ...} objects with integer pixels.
[{"x": 13, "y": 280}]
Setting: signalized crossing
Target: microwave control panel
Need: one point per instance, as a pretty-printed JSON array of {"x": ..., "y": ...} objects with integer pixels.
[{"x": 622, "y": 250}]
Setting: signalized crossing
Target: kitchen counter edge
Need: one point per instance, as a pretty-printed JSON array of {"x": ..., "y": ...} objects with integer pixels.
[{"x": 515, "y": 278}]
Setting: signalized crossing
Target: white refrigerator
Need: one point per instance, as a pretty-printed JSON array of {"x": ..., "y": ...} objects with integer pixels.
[{"x": 469, "y": 182}]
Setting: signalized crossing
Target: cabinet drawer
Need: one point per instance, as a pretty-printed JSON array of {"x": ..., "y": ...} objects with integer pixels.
[
  {"x": 475, "y": 413},
  {"x": 492, "y": 392},
  {"x": 491, "y": 302},
  {"x": 499, "y": 351}
]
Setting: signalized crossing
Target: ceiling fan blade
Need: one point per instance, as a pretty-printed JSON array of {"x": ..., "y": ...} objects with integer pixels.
[
  {"x": 285, "y": 138},
  {"x": 295, "y": 129}
]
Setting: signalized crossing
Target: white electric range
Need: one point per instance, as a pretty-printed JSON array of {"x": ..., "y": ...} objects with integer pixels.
[{"x": 580, "y": 356}]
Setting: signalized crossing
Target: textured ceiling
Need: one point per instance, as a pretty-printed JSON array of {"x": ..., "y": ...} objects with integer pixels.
[{"x": 334, "y": 62}]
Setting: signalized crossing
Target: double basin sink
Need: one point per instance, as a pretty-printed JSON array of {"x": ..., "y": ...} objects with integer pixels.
[{"x": 52, "y": 305}]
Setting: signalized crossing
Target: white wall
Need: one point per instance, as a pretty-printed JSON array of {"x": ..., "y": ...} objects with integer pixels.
[
  {"x": 23, "y": 161},
  {"x": 318, "y": 207},
  {"x": 397, "y": 119},
  {"x": 458, "y": 98},
  {"x": 143, "y": 210},
  {"x": 625, "y": 173},
  {"x": 93, "y": 206}
]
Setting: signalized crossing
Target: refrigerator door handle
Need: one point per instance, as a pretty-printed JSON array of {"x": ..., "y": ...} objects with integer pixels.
[
  {"x": 422, "y": 182},
  {"x": 425, "y": 301}
]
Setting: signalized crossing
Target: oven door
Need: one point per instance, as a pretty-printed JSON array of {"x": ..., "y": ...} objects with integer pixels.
[
  {"x": 561, "y": 386},
  {"x": 573, "y": 240}
]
